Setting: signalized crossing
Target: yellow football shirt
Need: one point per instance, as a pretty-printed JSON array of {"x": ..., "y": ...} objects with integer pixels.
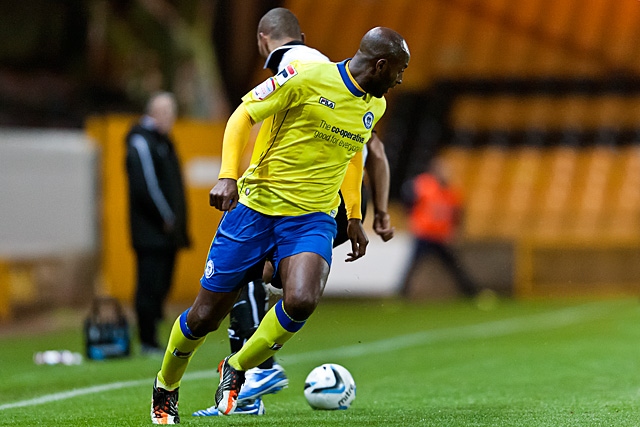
[{"x": 321, "y": 119}]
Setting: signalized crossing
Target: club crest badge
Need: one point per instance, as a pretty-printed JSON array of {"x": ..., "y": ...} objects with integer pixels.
[
  {"x": 367, "y": 119},
  {"x": 208, "y": 270}
]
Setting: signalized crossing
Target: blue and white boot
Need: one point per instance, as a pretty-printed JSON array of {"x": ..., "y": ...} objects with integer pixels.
[
  {"x": 255, "y": 407},
  {"x": 259, "y": 382}
]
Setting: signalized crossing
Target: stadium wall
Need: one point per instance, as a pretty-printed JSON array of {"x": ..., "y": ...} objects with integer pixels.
[
  {"x": 528, "y": 232},
  {"x": 48, "y": 228}
]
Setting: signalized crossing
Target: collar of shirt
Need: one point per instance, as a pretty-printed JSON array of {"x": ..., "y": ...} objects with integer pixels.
[
  {"x": 273, "y": 60},
  {"x": 348, "y": 79}
]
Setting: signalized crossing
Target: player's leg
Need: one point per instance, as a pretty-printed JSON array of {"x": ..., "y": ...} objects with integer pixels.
[
  {"x": 304, "y": 276},
  {"x": 248, "y": 310},
  {"x": 187, "y": 335},
  {"x": 304, "y": 246},
  {"x": 245, "y": 316},
  {"x": 268, "y": 377},
  {"x": 220, "y": 288}
]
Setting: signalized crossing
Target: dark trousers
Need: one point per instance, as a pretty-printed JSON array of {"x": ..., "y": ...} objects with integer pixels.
[
  {"x": 155, "y": 274},
  {"x": 428, "y": 248}
]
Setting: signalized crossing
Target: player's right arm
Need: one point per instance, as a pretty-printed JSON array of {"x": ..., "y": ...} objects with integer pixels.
[
  {"x": 350, "y": 188},
  {"x": 377, "y": 167},
  {"x": 224, "y": 196}
]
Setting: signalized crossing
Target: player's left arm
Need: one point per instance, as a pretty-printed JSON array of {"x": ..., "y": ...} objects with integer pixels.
[
  {"x": 377, "y": 167},
  {"x": 350, "y": 188}
]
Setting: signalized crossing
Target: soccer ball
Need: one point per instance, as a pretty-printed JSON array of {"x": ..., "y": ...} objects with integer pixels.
[{"x": 329, "y": 386}]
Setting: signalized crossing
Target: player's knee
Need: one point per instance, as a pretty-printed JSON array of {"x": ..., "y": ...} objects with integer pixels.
[
  {"x": 202, "y": 320},
  {"x": 301, "y": 306}
]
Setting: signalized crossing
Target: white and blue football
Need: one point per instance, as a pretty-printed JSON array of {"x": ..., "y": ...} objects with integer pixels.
[{"x": 330, "y": 386}]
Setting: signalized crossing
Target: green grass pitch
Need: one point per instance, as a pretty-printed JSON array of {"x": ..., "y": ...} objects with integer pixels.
[{"x": 536, "y": 363}]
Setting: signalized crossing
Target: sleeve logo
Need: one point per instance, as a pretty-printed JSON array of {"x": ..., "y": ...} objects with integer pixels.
[
  {"x": 264, "y": 89},
  {"x": 287, "y": 73},
  {"x": 367, "y": 119}
]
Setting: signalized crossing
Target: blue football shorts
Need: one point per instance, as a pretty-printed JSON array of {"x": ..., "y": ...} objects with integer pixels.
[{"x": 245, "y": 237}]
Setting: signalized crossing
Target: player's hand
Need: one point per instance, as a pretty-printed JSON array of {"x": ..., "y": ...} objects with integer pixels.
[
  {"x": 382, "y": 226},
  {"x": 358, "y": 238},
  {"x": 224, "y": 196}
]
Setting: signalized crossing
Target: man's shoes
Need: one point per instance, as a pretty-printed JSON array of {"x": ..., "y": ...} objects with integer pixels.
[
  {"x": 231, "y": 381},
  {"x": 164, "y": 405},
  {"x": 254, "y": 407},
  {"x": 262, "y": 381}
]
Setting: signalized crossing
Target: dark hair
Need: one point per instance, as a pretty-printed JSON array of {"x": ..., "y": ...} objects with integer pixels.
[{"x": 280, "y": 23}]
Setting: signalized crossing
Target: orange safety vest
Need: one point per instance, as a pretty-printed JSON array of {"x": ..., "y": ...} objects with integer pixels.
[{"x": 434, "y": 213}]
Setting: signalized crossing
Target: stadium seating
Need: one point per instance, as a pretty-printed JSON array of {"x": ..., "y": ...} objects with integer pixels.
[
  {"x": 551, "y": 164},
  {"x": 467, "y": 38},
  {"x": 572, "y": 213}
]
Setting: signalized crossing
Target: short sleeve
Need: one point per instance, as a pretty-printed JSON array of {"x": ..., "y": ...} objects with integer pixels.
[{"x": 278, "y": 93}]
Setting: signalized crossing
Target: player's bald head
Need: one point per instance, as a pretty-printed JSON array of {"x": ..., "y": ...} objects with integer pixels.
[
  {"x": 280, "y": 23},
  {"x": 379, "y": 63},
  {"x": 384, "y": 43}
]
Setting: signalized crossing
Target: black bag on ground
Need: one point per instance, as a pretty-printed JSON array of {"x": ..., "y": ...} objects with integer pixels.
[{"x": 106, "y": 330}]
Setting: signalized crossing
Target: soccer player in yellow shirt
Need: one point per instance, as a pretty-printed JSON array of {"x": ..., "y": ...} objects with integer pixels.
[
  {"x": 280, "y": 41},
  {"x": 284, "y": 204}
]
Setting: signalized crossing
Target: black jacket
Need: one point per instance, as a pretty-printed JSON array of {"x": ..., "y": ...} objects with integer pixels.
[{"x": 158, "y": 211}]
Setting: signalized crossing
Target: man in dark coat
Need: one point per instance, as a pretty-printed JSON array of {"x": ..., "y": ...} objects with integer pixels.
[{"x": 158, "y": 215}]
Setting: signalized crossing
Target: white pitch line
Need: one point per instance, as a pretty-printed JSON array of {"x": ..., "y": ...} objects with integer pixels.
[{"x": 531, "y": 323}]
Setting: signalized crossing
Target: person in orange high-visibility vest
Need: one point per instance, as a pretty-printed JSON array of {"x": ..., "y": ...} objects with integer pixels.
[{"x": 434, "y": 216}]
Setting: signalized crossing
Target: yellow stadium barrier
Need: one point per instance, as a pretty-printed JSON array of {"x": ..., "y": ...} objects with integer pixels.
[
  {"x": 577, "y": 267},
  {"x": 5, "y": 300}
]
